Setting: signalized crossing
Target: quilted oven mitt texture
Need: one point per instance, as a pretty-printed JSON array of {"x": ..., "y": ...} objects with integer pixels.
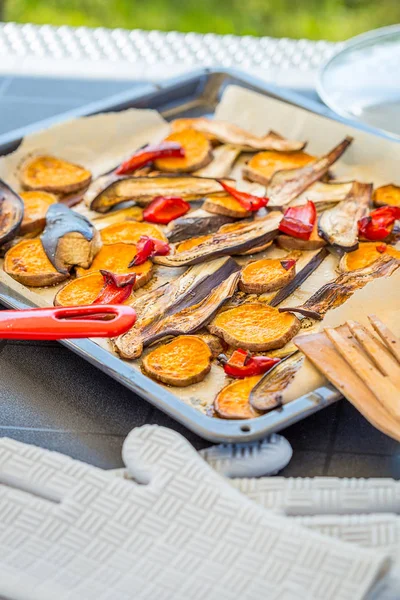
[{"x": 72, "y": 531}]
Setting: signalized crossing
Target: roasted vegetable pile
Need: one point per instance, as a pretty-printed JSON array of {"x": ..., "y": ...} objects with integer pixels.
[{"x": 229, "y": 258}]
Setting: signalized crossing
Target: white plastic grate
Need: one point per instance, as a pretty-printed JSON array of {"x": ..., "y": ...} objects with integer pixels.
[{"x": 155, "y": 48}]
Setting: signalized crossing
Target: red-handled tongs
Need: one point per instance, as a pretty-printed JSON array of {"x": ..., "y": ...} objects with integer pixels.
[{"x": 100, "y": 320}]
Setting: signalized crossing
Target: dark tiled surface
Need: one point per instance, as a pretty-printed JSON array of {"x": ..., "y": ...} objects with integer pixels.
[{"x": 50, "y": 397}]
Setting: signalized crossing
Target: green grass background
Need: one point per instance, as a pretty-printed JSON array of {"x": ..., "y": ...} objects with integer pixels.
[{"x": 314, "y": 19}]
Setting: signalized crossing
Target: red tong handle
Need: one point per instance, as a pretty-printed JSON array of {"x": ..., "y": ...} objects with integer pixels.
[{"x": 100, "y": 320}]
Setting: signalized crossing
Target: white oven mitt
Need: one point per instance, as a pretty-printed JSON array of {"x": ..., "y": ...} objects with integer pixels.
[{"x": 72, "y": 531}]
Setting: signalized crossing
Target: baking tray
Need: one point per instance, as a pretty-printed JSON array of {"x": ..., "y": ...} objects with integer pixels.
[{"x": 192, "y": 95}]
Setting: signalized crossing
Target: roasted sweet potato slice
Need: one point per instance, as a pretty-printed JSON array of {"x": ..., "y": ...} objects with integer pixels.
[
  {"x": 36, "y": 205},
  {"x": 53, "y": 174},
  {"x": 178, "y": 125},
  {"x": 387, "y": 194},
  {"x": 197, "y": 153},
  {"x": 263, "y": 165},
  {"x": 81, "y": 291},
  {"x": 314, "y": 242},
  {"x": 27, "y": 263},
  {"x": 265, "y": 275},
  {"x": 185, "y": 360},
  {"x": 225, "y": 205},
  {"x": 131, "y": 213},
  {"x": 130, "y": 232},
  {"x": 116, "y": 258},
  {"x": 366, "y": 254},
  {"x": 232, "y": 402},
  {"x": 255, "y": 327}
]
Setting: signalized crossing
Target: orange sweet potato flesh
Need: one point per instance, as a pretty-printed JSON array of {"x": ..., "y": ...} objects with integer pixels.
[
  {"x": 80, "y": 291},
  {"x": 191, "y": 243},
  {"x": 187, "y": 123},
  {"x": 365, "y": 255},
  {"x": 263, "y": 165},
  {"x": 27, "y": 263},
  {"x": 197, "y": 148},
  {"x": 225, "y": 205},
  {"x": 129, "y": 232},
  {"x": 255, "y": 327},
  {"x": 182, "y": 362},
  {"x": 116, "y": 258},
  {"x": 35, "y": 209},
  {"x": 232, "y": 402},
  {"x": 387, "y": 194},
  {"x": 53, "y": 174},
  {"x": 265, "y": 275}
]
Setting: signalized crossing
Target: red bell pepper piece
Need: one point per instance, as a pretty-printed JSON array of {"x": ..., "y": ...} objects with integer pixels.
[
  {"x": 299, "y": 221},
  {"x": 148, "y": 154},
  {"x": 116, "y": 289},
  {"x": 381, "y": 248},
  {"x": 242, "y": 364},
  {"x": 288, "y": 264},
  {"x": 377, "y": 225},
  {"x": 148, "y": 247},
  {"x": 248, "y": 201},
  {"x": 164, "y": 209}
]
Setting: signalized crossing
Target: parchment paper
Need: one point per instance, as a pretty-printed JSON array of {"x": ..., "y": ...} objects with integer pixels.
[{"x": 100, "y": 142}]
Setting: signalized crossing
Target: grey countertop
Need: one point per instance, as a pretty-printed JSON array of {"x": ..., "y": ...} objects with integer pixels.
[{"x": 53, "y": 398}]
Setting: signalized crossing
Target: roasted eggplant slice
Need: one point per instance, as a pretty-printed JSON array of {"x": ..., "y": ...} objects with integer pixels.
[
  {"x": 197, "y": 148},
  {"x": 227, "y": 133},
  {"x": 286, "y": 185},
  {"x": 366, "y": 254},
  {"x": 335, "y": 293},
  {"x": 144, "y": 189},
  {"x": 267, "y": 393},
  {"x": 195, "y": 223},
  {"x": 339, "y": 225},
  {"x": 190, "y": 289},
  {"x": 183, "y": 361},
  {"x": 324, "y": 194},
  {"x": 225, "y": 205},
  {"x": 226, "y": 243},
  {"x": 223, "y": 159},
  {"x": 27, "y": 263},
  {"x": 53, "y": 174},
  {"x": 36, "y": 205},
  {"x": 69, "y": 239},
  {"x": 11, "y": 212},
  {"x": 262, "y": 166},
  {"x": 255, "y": 327},
  {"x": 387, "y": 194}
]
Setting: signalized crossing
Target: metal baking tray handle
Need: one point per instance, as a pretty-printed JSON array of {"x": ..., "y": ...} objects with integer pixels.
[{"x": 66, "y": 322}]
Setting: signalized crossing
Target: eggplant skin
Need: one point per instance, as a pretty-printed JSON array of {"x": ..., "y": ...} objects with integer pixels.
[
  {"x": 196, "y": 223},
  {"x": 11, "y": 212},
  {"x": 69, "y": 239}
]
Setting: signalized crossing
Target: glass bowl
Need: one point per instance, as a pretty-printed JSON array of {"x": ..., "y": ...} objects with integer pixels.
[{"x": 362, "y": 81}]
